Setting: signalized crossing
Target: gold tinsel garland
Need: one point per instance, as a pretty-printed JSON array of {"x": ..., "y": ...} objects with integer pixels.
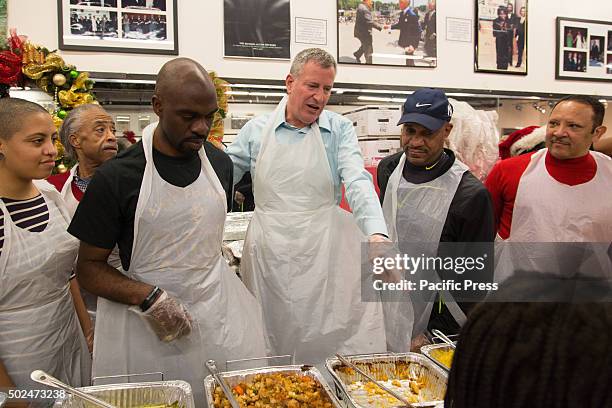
[
  {"x": 70, "y": 88},
  {"x": 24, "y": 63},
  {"x": 216, "y": 132}
]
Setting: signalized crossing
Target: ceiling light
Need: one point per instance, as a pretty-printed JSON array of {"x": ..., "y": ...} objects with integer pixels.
[
  {"x": 385, "y": 91},
  {"x": 124, "y": 81},
  {"x": 348, "y": 89},
  {"x": 256, "y": 86},
  {"x": 461, "y": 94},
  {"x": 266, "y": 94},
  {"x": 378, "y": 99}
]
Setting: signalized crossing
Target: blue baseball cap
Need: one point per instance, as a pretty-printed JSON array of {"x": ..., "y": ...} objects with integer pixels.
[{"x": 428, "y": 107}]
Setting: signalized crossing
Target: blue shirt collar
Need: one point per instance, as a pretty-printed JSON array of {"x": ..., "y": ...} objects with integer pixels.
[{"x": 323, "y": 122}]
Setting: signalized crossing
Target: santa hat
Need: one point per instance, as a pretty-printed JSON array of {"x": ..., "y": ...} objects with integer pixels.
[{"x": 522, "y": 141}]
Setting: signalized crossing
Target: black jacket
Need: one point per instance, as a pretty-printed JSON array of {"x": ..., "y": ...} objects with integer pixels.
[
  {"x": 364, "y": 23},
  {"x": 429, "y": 26},
  {"x": 410, "y": 32},
  {"x": 470, "y": 219}
]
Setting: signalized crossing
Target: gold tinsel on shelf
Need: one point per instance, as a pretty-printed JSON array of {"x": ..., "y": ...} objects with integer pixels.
[
  {"x": 221, "y": 87},
  {"x": 25, "y": 64}
]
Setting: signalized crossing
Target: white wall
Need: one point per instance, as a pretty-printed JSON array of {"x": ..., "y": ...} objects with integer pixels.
[
  {"x": 201, "y": 38},
  {"x": 509, "y": 117}
]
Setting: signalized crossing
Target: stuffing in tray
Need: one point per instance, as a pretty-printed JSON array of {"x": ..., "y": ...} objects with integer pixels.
[{"x": 276, "y": 391}]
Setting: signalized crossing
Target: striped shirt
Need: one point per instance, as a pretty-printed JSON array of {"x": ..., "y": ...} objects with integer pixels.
[{"x": 31, "y": 214}]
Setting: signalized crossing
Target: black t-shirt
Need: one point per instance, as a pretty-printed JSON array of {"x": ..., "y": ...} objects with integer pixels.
[
  {"x": 469, "y": 219},
  {"x": 105, "y": 215}
]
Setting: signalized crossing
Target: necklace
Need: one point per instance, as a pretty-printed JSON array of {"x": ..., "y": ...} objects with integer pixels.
[{"x": 436, "y": 163}]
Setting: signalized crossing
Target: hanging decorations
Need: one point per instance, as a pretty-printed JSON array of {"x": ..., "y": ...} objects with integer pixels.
[
  {"x": 3, "y": 18},
  {"x": 25, "y": 64},
  {"x": 216, "y": 132}
]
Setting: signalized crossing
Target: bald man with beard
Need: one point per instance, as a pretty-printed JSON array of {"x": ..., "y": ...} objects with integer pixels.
[{"x": 174, "y": 304}]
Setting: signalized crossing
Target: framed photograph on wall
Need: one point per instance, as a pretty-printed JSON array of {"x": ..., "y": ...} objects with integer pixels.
[
  {"x": 134, "y": 26},
  {"x": 583, "y": 50},
  {"x": 3, "y": 16},
  {"x": 500, "y": 44},
  {"x": 387, "y": 32},
  {"x": 257, "y": 29}
]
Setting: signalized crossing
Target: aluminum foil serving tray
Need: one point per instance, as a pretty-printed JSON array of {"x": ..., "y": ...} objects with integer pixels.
[
  {"x": 135, "y": 395},
  {"x": 244, "y": 376},
  {"x": 427, "y": 349},
  {"x": 384, "y": 364},
  {"x": 236, "y": 225}
]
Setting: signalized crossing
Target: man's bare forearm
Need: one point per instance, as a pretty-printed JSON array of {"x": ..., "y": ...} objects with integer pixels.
[{"x": 101, "y": 279}]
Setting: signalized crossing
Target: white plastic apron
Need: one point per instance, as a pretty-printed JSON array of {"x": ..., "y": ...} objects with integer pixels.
[
  {"x": 113, "y": 260},
  {"x": 71, "y": 202},
  {"x": 39, "y": 328},
  {"x": 177, "y": 246},
  {"x": 416, "y": 213},
  {"x": 546, "y": 210},
  {"x": 301, "y": 256}
]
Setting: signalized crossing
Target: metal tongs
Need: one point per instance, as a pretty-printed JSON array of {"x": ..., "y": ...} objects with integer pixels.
[
  {"x": 444, "y": 338},
  {"x": 44, "y": 378},
  {"x": 212, "y": 367},
  {"x": 379, "y": 385}
]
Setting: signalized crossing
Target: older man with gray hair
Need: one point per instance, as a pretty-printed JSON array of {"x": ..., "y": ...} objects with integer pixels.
[
  {"x": 88, "y": 135},
  {"x": 302, "y": 252}
]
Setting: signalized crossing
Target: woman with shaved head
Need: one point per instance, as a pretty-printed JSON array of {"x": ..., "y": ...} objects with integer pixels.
[{"x": 39, "y": 328}]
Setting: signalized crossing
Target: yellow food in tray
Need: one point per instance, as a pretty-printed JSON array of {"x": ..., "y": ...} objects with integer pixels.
[
  {"x": 276, "y": 391},
  {"x": 397, "y": 376},
  {"x": 370, "y": 395},
  {"x": 443, "y": 355}
]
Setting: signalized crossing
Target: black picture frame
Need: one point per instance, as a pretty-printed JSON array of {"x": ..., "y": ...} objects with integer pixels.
[
  {"x": 122, "y": 26},
  {"x": 490, "y": 40},
  {"x": 581, "y": 32},
  {"x": 257, "y": 29},
  {"x": 426, "y": 56}
]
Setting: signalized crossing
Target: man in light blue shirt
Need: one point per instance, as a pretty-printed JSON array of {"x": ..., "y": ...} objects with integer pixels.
[
  {"x": 301, "y": 256},
  {"x": 343, "y": 155}
]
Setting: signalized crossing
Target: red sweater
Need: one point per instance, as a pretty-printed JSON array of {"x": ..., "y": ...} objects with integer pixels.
[
  {"x": 503, "y": 180},
  {"x": 58, "y": 181}
]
